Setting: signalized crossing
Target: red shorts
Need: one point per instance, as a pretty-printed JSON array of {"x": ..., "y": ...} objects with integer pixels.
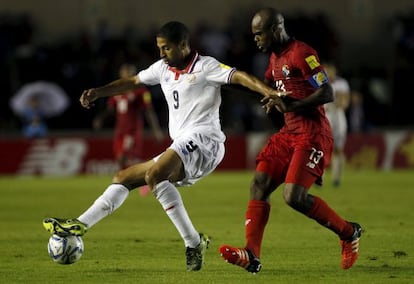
[{"x": 295, "y": 158}]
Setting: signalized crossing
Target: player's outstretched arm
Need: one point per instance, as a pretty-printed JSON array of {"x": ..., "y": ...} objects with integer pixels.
[
  {"x": 321, "y": 96},
  {"x": 112, "y": 89},
  {"x": 255, "y": 84}
]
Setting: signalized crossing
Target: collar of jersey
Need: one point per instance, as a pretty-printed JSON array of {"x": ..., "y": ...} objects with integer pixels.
[{"x": 188, "y": 69}]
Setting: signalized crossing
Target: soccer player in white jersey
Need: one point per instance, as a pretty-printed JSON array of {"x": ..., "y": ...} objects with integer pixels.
[
  {"x": 335, "y": 112},
  {"x": 191, "y": 85}
]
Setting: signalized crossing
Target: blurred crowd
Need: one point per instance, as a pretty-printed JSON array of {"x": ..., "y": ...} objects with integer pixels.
[{"x": 81, "y": 61}]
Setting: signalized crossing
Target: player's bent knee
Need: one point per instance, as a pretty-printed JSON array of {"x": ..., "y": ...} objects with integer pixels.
[
  {"x": 295, "y": 198},
  {"x": 122, "y": 177},
  {"x": 261, "y": 187},
  {"x": 119, "y": 177}
]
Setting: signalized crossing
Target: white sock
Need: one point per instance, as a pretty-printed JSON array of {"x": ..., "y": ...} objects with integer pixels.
[
  {"x": 107, "y": 203},
  {"x": 169, "y": 197}
]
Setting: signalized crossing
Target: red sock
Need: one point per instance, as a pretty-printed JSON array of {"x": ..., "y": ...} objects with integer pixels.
[
  {"x": 257, "y": 216},
  {"x": 327, "y": 217}
]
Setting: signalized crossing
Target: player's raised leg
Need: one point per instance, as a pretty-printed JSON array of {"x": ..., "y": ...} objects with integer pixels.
[{"x": 112, "y": 198}]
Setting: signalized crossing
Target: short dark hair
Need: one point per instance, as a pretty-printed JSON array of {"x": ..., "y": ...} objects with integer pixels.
[
  {"x": 271, "y": 16},
  {"x": 174, "y": 32}
]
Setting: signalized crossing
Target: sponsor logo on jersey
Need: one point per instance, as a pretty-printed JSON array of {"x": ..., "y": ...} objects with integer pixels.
[
  {"x": 167, "y": 78},
  {"x": 224, "y": 66},
  {"x": 312, "y": 62},
  {"x": 311, "y": 165},
  {"x": 320, "y": 78}
]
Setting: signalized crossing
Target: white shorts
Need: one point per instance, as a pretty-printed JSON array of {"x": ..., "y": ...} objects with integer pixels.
[
  {"x": 339, "y": 128},
  {"x": 200, "y": 155}
]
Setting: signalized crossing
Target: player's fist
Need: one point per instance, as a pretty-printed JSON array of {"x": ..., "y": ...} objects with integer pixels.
[{"x": 88, "y": 97}]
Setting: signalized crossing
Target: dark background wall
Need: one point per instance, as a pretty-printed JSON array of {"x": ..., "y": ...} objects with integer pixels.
[{"x": 370, "y": 40}]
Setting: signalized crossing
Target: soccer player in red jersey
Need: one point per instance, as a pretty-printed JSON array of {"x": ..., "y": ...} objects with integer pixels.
[
  {"x": 298, "y": 154},
  {"x": 129, "y": 109}
]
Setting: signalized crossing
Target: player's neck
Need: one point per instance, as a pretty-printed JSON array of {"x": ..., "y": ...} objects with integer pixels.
[
  {"x": 285, "y": 40},
  {"x": 186, "y": 60}
]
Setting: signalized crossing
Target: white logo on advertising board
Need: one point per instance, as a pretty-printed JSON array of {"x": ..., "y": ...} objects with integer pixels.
[{"x": 63, "y": 157}]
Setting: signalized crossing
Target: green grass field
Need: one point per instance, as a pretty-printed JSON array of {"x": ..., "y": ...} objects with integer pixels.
[{"x": 138, "y": 243}]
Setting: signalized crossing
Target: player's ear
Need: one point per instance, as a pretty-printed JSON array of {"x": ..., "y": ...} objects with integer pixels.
[
  {"x": 277, "y": 28},
  {"x": 183, "y": 44}
]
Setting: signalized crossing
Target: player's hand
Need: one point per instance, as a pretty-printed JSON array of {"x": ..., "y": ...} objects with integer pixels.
[
  {"x": 276, "y": 95},
  {"x": 278, "y": 104},
  {"x": 88, "y": 97},
  {"x": 275, "y": 100}
]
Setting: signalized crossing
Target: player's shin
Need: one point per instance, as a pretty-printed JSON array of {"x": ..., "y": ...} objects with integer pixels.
[
  {"x": 109, "y": 201},
  {"x": 257, "y": 216},
  {"x": 170, "y": 199}
]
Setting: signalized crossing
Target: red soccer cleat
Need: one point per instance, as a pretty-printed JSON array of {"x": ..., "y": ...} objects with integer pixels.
[
  {"x": 241, "y": 257},
  {"x": 350, "y": 247}
]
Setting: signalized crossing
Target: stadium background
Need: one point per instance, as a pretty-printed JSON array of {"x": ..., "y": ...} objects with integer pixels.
[{"x": 79, "y": 44}]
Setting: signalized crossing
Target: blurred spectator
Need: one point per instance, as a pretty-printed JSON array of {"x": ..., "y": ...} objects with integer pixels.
[
  {"x": 34, "y": 125},
  {"x": 335, "y": 112},
  {"x": 129, "y": 109},
  {"x": 213, "y": 41},
  {"x": 356, "y": 113},
  {"x": 90, "y": 56},
  {"x": 36, "y": 101}
]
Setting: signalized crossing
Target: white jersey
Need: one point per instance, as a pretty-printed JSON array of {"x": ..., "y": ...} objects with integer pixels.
[
  {"x": 193, "y": 95},
  {"x": 336, "y": 115}
]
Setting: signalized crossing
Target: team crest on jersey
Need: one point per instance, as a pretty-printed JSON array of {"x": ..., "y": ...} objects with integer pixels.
[
  {"x": 191, "y": 78},
  {"x": 285, "y": 70}
]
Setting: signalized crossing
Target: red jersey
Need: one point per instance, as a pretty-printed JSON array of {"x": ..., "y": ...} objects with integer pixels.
[
  {"x": 129, "y": 110},
  {"x": 297, "y": 69}
]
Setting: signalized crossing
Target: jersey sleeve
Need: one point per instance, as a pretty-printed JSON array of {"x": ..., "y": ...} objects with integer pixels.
[
  {"x": 308, "y": 61},
  {"x": 152, "y": 75},
  {"x": 218, "y": 72}
]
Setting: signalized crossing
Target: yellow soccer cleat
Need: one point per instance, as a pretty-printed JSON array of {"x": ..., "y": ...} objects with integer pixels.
[{"x": 65, "y": 227}]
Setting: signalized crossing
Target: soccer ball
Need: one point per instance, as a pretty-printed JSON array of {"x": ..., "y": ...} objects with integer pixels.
[{"x": 65, "y": 250}]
